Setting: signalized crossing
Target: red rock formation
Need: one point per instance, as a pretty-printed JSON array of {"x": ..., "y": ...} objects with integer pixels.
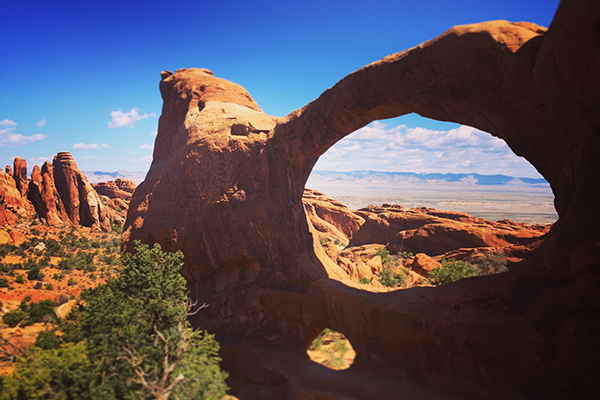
[
  {"x": 118, "y": 189},
  {"x": 81, "y": 202},
  {"x": 34, "y": 193},
  {"x": 226, "y": 185},
  {"x": 53, "y": 209},
  {"x": 20, "y": 176},
  {"x": 8, "y": 170},
  {"x": 11, "y": 202}
]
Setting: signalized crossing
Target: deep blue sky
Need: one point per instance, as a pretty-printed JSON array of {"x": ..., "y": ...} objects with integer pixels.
[{"x": 73, "y": 63}]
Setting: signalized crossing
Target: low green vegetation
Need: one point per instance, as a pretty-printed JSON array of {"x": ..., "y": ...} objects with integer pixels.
[
  {"x": 393, "y": 274},
  {"x": 127, "y": 339},
  {"x": 453, "y": 270},
  {"x": 30, "y": 313},
  {"x": 392, "y": 279}
]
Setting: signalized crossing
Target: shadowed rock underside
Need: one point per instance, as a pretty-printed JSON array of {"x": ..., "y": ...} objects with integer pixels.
[{"x": 226, "y": 185}]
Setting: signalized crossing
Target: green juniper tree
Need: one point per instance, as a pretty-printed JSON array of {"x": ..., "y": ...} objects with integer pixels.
[{"x": 136, "y": 339}]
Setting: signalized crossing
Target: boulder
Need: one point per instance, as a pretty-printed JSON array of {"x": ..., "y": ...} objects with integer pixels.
[
  {"x": 5, "y": 237},
  {"x": 17, "y": 237},
  {"x": 422, "y": 264}
]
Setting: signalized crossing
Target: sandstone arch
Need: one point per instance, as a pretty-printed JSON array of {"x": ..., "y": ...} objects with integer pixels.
[{"x": 225, "y": 187}]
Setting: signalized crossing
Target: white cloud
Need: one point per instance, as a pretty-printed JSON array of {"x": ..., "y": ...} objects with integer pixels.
[
  {"x": 40, "y": 124},
  {"x": 459, "y": 150},
  {"x": 7, "y": 122},
  {"x": 147, "y": 147},
  {"x": 92, "y": 146},
  {"x": 8, "y": 137},
  {"x": 38, "y": 160},
  {"x": 153, "y": 133},
  {"x": 122, "y": 119}
]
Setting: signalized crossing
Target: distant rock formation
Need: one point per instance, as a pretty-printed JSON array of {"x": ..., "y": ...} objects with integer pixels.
[
  {"x": 59, "y": 193},
  {"x": 116, "y": 195},
  {"x": 226, "y": 186},
  {"x": 117, "y": 189}
]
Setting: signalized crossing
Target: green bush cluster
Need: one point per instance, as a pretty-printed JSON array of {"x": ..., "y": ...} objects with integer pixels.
[
  {"x": 451, "y": 271},
  {"x": 30, "y": 313},
  {"x": 120, "y": 331},
  {"x": 392, "y": 279}
]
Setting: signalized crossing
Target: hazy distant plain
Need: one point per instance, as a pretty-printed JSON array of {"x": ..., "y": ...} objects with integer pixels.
[{"x": 517, "y": 201}]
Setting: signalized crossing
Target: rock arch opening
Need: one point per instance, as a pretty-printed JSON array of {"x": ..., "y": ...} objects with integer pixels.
[
  {"x": 332, "y": 350},
  {"x": 457, "y": 198}
]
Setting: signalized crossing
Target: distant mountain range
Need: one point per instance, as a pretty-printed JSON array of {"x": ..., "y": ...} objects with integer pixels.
[
  {"x": 380, "y": 177},
  {"x": 367, "y": 177}
]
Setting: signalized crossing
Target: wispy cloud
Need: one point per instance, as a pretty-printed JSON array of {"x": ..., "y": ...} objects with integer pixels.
[
  {"x": 40, "y": 124},
  {"x": 9, "y": 138},
  {"x": 153, "y": 133},
  {"x": 92, "y": 146},
  {"x": 38, "y": 160},
  {"x": 7, "y": 123},
  {"x": 147, "y": 147},
  {"x": 460, "y": 150},
  {"x": 122, "y": 119}
]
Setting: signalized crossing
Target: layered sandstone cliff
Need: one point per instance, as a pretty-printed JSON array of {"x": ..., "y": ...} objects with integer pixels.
[
  {"x": 226, "y": 186},
  {"x": 59, "y": 194}
]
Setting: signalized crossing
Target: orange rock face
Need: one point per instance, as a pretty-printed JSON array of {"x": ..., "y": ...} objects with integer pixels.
[
  {"x": 226, "y": 186},
  {"x": 20, "y": 175},
  {"x": 60, "y": 196},
  {"x": 82, "y": 203},
  {"x": 118, "y": 189}
]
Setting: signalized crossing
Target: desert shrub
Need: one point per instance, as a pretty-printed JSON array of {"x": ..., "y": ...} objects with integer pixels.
[
  {"x": 490, "y": 263},
  {"x": 49, "y": 286},
  {"x": 364, "y": 281},
  {"x": 109, "y": 259},
  {"x": 96, "y": 244},
  {"x": 34, "y": 232},
  {"x": 70, "y": 282},
  {"x": 19, "y": 279},
  {"x": 39, "y": 311},
  {"x": 62, "y": 299},
  {"x": 12, "y": 318},
  {"x": 317, "y": 343},
  {"x": 4, "y": 283},
  {"x": 38, "y": 285},
  {"x": 392, "y": 279},
  {"x": 35, "y": 274},
  {"x": 47, "y": 340},
  {"x": 384, "y": 254},
  {"x": 82, "y": 243},
  {"x": 115, "y": 226},
  {"x": 404, "y": 254},
  {"x": 53, "y": 248},
  {"x": 67, "y": 262},
  {"x": 451, "y": 271},
  {"x": 6, "y": 249}
]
